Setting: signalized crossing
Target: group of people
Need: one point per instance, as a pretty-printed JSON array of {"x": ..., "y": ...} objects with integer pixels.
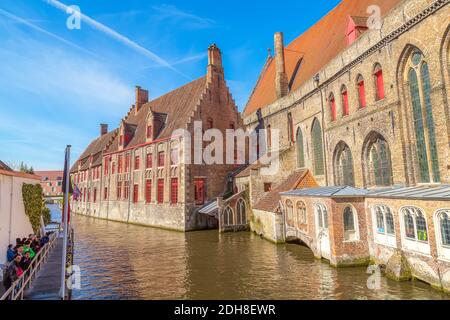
[{"x": 20, "y": 257}]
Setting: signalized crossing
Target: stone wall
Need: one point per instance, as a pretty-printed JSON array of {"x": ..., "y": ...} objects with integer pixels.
[{"x": 390, "y": 117}]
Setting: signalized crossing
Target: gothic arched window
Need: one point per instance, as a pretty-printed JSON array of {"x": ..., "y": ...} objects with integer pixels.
[
  {"x": 343, "y": 166},
  {"x": 228, "y": 216},
  {"x": 290, "y": 213},
  {"x": 350, "y": 231},
  {"x": 377, "y": 160},
  {"x": 242, "y": 219},
  {"x": 300, "y": 149},
  {"x": 418, "y": 78},
  {"x": 317, "y": 145}
]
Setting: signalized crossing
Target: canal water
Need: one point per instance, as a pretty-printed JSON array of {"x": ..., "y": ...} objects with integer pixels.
[{"x": 120, "y": 261}]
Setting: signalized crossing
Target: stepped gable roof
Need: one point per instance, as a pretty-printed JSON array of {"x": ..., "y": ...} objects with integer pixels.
[
  {"x": 316, "y": 47},
  {"x": 297, "y": 179},
  {"x": 174, "y": 109}
]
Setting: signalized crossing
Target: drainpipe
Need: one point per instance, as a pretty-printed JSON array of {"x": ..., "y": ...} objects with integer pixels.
[
  {"x": 283, "y": 214},
  {"x": 130, "y": 185},
  {"x": 317, "y": 81},
  {"x": 10, "y": 208}
]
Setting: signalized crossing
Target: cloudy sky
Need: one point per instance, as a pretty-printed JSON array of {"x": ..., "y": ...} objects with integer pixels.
[{"x": 57, "y": 84}]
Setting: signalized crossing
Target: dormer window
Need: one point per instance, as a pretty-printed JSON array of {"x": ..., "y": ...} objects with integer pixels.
[{"x": 355, "y": 27}]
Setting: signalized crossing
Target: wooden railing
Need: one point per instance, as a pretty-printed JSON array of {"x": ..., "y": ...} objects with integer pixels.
[{"x": 15, "y": 292}]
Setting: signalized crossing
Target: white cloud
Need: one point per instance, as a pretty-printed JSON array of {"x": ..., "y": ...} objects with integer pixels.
[
  {"x": 52, "y": 73},
  {"x": 117, "y": 36}
]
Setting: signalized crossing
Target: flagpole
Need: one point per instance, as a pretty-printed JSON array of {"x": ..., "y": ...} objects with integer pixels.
[{"x": 66, "y": 220}]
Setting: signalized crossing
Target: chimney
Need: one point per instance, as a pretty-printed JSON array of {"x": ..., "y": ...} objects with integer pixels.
[
  {"x": 281, "y": 82},
  {"x": 103, "y": 129},
  {"x": 214, "y": 62},
  {"x": 141, "y": 98}
]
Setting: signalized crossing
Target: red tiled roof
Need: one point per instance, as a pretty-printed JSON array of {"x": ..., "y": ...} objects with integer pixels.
[
  {"x": 51, "y": 175},
  {"x": 4, "y": 166},
  {"x": 316, "y": 47},
  {"x": 19, "y": 174},
  {"x": 298, "y": 179}
]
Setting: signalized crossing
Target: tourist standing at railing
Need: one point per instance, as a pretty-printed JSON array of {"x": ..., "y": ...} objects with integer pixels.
[
  {"x": 13, "y": 272},
  {"x": 27, "y": 248},
  {"x": 10, "y": 253},
  {"x": 25, "y": 262}
]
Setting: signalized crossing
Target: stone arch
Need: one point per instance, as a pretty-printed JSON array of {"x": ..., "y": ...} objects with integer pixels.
[
  {"x": 376, "y": 161},
  {"x": 344, "y": 174}
]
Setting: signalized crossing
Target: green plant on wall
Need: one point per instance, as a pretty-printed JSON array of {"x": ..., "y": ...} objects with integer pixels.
[{"x": 34, "y": 205}]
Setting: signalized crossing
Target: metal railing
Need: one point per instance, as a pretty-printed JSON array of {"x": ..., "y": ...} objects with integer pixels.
[{"x": 16, "y": 291}]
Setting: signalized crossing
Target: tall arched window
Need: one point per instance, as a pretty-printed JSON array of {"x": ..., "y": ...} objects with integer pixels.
[
  {"x": 290, "y": 126},
  {"x": 384, "y": 220},
  {"x": 415, "y": 224},
  {"x": 332, "y": 103},
  {"x": 361, "y": 91},
  {"x": 442, "y": 223},
  {"x": 300, "y": 149},
  {"x": 322, "y": 216},
  {"x": 350, "y": 232},
  {"x": 418, "y": 77},
  {"x": 290, "y": 213},
  {"x": 377, "y": 161},
  {"x": 241, "y": 216},
  {"x": 343, "y": 166},
  {"x": 345, "y": 107},
  {"x": 379, "y": 82},
  {"x": 317, "y": 145},
  {"x": 301, "y": 212},
  {"x": 228, "y": 216}
]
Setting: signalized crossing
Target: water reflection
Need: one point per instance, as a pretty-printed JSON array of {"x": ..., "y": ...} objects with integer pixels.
[{"x": 120, "y": 261}]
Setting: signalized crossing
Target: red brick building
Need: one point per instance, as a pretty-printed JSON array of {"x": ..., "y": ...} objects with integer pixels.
[
  {"x": 135, "y": 173},
  {"x": 51, "y": 182}
]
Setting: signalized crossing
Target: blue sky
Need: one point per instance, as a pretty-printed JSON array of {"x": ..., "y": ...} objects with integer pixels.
[{"x": 57, "y": 84}]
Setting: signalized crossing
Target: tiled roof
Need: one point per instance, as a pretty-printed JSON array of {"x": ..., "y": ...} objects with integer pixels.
[
  {"x": 297, "y": 179},
  {"x": 95, "y": 149},
  {"x": 175, "y": 107},
  {"x": 332, "y": 192},
  {"x": 50, "y": 175},
  {"x": 439, "y": 192},
  {"x": 4, "y": 166},
  {"x": 316, "y": 47}
]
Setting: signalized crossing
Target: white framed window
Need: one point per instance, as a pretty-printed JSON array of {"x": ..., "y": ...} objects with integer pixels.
[
  {"x": 228, "y": 216},
  {"x": 301, "y": 212},
  {"x": 383, "y": 226},
  {"x": 442, "y": 227},
  {"x": 414, "y": 230},
  {"x": 290, "y": 213},
  {"x": 321, "y": 217},
  {"x": 351, "y": 230},
  {"x": 241, "y": 217}
]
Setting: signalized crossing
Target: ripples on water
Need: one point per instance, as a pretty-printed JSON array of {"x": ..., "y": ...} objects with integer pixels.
[{"x": 120, "y": 261}]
